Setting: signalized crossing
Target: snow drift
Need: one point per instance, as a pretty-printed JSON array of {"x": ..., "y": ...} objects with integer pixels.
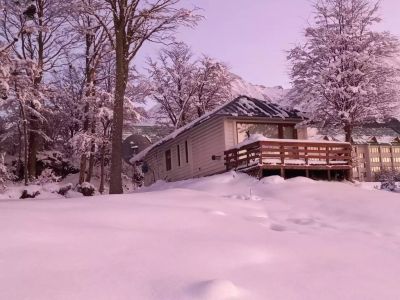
[{"x": 218, "y": 238}]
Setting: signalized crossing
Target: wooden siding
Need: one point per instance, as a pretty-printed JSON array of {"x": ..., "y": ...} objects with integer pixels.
[
  {"x": 204, "y": 141},
  {"x": 210, "y": 138}
]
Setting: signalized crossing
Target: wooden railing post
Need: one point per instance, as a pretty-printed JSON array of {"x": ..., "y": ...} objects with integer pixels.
[
  {"x": 306, "y": 154},
  {"x": 236, "y": 158},
  {"x": 327, "y": 155}
]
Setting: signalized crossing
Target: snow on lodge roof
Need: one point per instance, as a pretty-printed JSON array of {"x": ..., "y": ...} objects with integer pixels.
[
  {"x": 368, "y": 135},
  {"x": 242, "y": 106}
]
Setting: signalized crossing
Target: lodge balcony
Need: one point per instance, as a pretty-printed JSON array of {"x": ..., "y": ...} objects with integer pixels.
[{"x": 290, "y": 158}]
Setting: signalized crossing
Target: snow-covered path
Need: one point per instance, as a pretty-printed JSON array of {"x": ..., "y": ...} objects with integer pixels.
[{"x": 227, "y": 237}]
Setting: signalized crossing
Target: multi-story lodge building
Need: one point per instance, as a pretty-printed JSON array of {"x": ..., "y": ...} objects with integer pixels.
[{"x": 374, "y": 150}]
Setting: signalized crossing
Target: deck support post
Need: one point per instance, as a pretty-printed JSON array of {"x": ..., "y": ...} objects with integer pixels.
[
  {"x": 283, "y": 172},
  {"x": 259, "y": 173},
  {"x": 307, "y": 173},
  {"x": 329, "y": 175}
]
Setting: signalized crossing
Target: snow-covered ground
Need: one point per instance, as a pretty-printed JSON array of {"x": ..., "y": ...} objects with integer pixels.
[{"x": 227, "y": 237}]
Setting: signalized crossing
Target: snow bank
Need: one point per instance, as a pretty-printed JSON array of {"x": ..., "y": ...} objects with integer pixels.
[{"x": 217, "y": 238}]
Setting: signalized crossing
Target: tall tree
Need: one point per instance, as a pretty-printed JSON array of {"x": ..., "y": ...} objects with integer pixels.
[
  {"x": 187, "y": 88},
  {"x": 134, "y": 23},
  {"x": 37, "y": 30},
  {"x": 213, "y": 81},
  {"x": 341, "y": 75},
  {"x": 172, "y": 82}
]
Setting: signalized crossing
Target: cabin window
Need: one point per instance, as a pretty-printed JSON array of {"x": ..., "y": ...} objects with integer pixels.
[
  {"x": 289, "y": 132},
  {"x": 168, "y": 160},
  {"x": 178, "y": 152},
  {"x": 186, "y": 151},
  {"x": 272, "y": 131},
  {"x": 244, "y": 130}
]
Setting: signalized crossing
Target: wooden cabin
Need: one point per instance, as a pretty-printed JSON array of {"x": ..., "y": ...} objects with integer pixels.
[{"x": 222, "y": 140}]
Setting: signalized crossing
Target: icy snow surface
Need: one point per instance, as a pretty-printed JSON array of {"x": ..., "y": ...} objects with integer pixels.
[{"x": 227, "y": 237}]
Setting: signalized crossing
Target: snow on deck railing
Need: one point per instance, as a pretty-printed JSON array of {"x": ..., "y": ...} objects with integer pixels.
[{"x": 260, "y": 138}]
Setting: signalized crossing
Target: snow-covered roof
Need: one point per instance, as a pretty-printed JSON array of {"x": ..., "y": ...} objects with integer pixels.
[
  {"x": 241, "y": 106},
  {"x": 250, "y": 107},
  {"x": 364, "y": 135}
]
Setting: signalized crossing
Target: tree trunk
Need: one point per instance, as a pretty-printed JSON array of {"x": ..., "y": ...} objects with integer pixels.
[
  {"x": 348, "y": 129},
  {"x": 91, "y": 157},
  {"x": 102, "y": 159},
  {"x": 35, "y": 123},
  {"x": 26, "y": 144},
  {"x": 33, "y": 149},
  {"x": 82, "y": 169},
  {"x": 118, "y": 120}
]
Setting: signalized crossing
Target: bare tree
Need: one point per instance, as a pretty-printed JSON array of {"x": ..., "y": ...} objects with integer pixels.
[
  {"x": 172, "y": 82},
  {"x": 341, "y": 75},
  {"x": 213, "y": 81},
  {"x": 134, "y": 23},
  {"x": 186, "y": 88}
]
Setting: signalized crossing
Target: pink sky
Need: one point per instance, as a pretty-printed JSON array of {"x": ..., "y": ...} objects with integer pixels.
[{"x": 253, "y": 35}]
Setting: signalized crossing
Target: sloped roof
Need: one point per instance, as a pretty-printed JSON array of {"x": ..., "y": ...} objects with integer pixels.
[
  {"x": 366, "y": 135},
  {"x": 241, "y": 106},
  {"x": 250, "y": 107}
]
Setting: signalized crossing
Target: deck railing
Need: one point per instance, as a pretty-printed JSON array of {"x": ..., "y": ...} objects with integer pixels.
[{"x": 290, "y": 153}]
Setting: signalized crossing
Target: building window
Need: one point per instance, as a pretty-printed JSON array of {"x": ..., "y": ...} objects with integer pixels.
[
  {"x": 187, "y": 151},
  {"x": 374, "y": 150},
  {"x": 289, "y": 132},
  {"x": 385, "y": 150},
  {"x": 386, "y": 159},
  {"x": 168, "y": 160},
  {"x": 178, "y": 152},
  {"x": 376, "y": 169},
  {"x": 361, "y": 155},
  {"x": 375, "y": 159},
  {"x": 396, "y": 150},
  {"x": 396, "y": 159}
]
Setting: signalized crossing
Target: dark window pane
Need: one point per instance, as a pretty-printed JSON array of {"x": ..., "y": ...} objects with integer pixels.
[
  {"x": 168, "y": 160},
  {"x": 288, "y": 132},
  {"x": 178, "y": 150},
  {"x": 187, "y": 151}
]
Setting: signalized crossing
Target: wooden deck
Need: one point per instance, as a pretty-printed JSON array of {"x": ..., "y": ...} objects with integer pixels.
[{"x": 291, "y": 155}]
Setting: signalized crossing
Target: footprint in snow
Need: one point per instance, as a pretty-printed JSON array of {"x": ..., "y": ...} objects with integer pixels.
[
  {"x": 215, "y": 290},
  {"x": 277, "y": 227}
]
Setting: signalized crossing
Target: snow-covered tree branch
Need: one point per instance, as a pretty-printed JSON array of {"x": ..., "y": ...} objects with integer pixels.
[{"x": 342, "y": 75}]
